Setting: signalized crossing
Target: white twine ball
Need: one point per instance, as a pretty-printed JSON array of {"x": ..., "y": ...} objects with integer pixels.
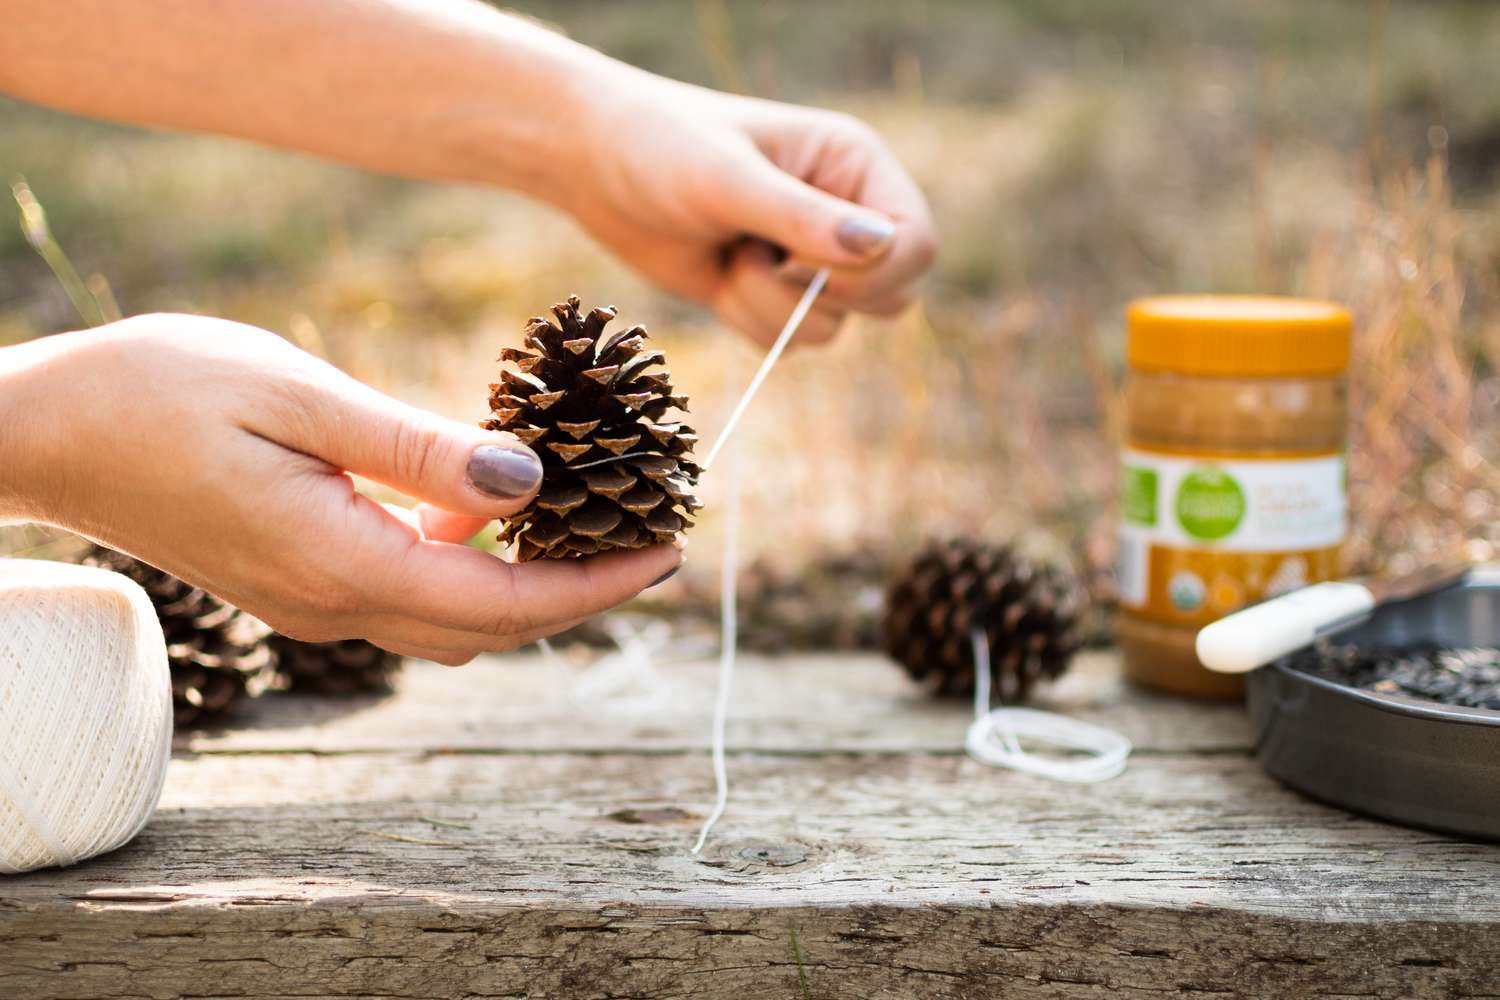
[{"x": 85, "y": 712}]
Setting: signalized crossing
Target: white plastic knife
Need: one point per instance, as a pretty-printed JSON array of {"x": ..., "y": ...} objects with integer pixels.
[{"x": 1254, "y": 636}]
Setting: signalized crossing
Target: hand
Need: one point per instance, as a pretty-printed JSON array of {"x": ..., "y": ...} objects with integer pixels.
[
  {"x": 218, "y": 452},
  {"x": 734, "y": 202}
]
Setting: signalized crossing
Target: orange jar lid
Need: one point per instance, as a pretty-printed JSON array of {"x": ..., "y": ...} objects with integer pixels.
[{"x": 1238, "y": 335}]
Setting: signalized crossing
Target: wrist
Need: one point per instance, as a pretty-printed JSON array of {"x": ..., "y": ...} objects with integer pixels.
[
  {"x": 535, "y": 133},
  {"x": 29, "y": 461}
]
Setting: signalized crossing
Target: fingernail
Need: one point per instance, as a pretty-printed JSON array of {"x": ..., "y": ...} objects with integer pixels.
[
  {"x": 504, "y": 473},
  {"x": 665, "y": 576},
  {"x": 865, "y": 235}
]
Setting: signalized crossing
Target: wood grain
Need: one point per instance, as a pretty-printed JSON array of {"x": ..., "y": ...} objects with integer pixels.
[
  {"x": 519, "y": 855},
  {"x": 804, "y": 704}
]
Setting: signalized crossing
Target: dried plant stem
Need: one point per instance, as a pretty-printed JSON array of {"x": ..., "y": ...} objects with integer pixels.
[
  {"x": 94, "y": 302},
  {"x": 39, "y": 235},
  {"x": 104, "y": 295}
]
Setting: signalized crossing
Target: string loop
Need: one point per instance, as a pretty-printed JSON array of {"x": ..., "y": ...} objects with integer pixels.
[{"x": 992, "y": 735}]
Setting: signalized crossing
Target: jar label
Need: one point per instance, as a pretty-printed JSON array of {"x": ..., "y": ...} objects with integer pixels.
[{"x": 1203, "y": 536}]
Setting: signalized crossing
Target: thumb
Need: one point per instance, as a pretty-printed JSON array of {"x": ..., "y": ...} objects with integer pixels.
[
  {"x": 442, "y": 462},
  {"x": 809, "y": 223}
]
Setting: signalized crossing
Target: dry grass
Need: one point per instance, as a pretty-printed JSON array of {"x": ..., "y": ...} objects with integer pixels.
[
  {"x": 1095, "y": 156},
  {"x": 1423, "y": 470}
]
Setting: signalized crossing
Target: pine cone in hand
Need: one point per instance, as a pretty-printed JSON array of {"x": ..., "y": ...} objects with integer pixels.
[
  {"x": 1030, "y": 616},
  {"x": 616, "y": 472},
  {"x": 217, "y": 653}
]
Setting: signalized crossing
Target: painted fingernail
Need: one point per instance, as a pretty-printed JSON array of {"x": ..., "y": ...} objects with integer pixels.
[
  {"x": 865, "y": 235},
  {"x": 665, "y": 576},
  {"x": 504, "y": 473}
]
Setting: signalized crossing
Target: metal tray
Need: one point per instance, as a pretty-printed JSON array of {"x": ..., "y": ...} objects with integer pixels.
[{"x": 1416, "y": 762}]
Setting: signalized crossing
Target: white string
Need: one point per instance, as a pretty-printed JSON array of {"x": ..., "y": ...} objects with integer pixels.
[
  {"x": 992, "y": 736},
  {"x": 627, "y": 677},
  {"x": 634, "y": 656},
  {"x": 728, "y": 628},
  {"x": 85, "y": 712},
  {"x": 620, "y": 458},
  {"x": 785, "y": 337},
  {"x": 729, "y": 576}
]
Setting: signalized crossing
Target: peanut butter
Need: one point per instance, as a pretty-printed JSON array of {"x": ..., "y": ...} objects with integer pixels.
[{"x": 1233, "y": 470}]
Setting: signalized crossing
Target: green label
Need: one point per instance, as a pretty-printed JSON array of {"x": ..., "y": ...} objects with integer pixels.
[
  {"x": 1210, "y": 504},
  {"x": 1138, "y": 495}
]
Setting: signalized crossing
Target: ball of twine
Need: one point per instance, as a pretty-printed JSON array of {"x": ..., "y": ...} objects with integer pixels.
[{"x": 85, "y": 712}]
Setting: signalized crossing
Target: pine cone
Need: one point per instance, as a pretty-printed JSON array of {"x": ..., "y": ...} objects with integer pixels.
[
  {"x": 616, "y": 475},
  {"x": 1030, "y": 616},
  {"x": 336, "y": 669},
  {"x": 217, "y": 653}
]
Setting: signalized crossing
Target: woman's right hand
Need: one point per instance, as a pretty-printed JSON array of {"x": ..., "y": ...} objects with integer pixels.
[{"x": 220, "y": 453}]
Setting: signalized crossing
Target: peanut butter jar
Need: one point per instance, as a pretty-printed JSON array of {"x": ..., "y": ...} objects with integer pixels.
[{"x": 1234, "y": 469}]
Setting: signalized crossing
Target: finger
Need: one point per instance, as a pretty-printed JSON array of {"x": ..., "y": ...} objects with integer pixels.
[
  {"x": 460, "y": 468},
  {"x": 847, "y": 158},
  {"x": 393, "y": 630},
  {"x": 445, "y": 526},
  {"x": 894, "y": 281},
  {"x": 399, "y": 588},
  {"x": 761, "y": 317},
  {"x": 758, "y": 300},
  {"x": 409, "y": 516},
  {"x": 456, "y": 587},
  {"x": 846, "y": 295},
  {"x": 843, "y": 156},
  {"x": 447, "y": 657},
  {"x": 761, "y": 199},
  {"x": 891, "y": 305},
  {"x": 412, "y": 638},
  {"x": 890, "y": 190},
  {"x": 535, "y": 636},
  {"x": 883, "y": 290}
]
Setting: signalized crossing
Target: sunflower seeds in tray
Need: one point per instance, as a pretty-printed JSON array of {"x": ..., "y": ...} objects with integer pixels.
[{"x": 1454, "y": 676}]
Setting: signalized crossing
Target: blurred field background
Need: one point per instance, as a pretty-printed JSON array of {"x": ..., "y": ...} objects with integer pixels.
[{"x": 1077, "y": 153}]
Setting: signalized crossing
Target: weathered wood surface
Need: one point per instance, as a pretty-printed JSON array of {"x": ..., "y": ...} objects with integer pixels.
[
  {"x": 862, "y": 856},
  {"x": 813, "y": 704}
]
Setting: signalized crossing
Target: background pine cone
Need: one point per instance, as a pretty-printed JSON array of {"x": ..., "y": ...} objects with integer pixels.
[
  {"x": 337, "y": 669},
  {"x": 1030, "y": 614},
  {"x": 220, "y": 655},
  {"x": 217, "y": 653},
  {"x": 579, "y": 398}
]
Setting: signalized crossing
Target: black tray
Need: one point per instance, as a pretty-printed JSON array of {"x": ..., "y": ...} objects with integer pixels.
[{"x": 1416, "y": 762}]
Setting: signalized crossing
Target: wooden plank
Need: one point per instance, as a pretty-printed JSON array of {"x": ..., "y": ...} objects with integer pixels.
[
  {"x": 826, "y": 703},
  {"x": 899, "y": 875},
  {"x": 862, "y": 856}
]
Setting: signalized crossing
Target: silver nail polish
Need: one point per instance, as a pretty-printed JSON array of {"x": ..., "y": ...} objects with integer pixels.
[
  {"x": 504, "y": 473},
  {"x": 865, "y": 235}
]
